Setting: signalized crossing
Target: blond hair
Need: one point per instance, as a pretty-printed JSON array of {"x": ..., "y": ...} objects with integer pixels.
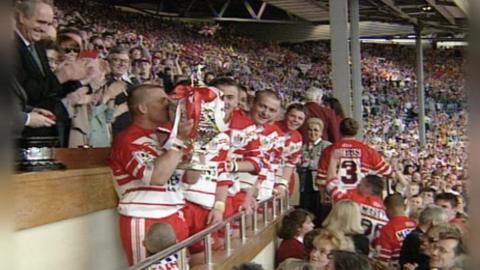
[
  {"x": 345, "y": 217},
  {"x": 315, "y": 121},
  {"x": 336, "y": 239}
]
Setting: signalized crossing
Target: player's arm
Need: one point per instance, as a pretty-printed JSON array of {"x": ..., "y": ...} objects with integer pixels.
[
  {"x": 383, "y": 247},
  {"x": 251, "y": 161},
  {"x": 216, "y": 214},
  {"x": 334, "y": 187},
  {"x": 166, "y": 164}
]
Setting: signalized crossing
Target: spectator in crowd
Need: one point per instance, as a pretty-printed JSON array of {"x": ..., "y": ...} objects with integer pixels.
[
  {"x": 345, "y": 218},
  {"x": 294, "y": 227},
  {"x": 119, "y": 84},
  {"x": 335, "y": 105},
  {"x": 315, "y": 108},
  {"x": 449, "y": 202},
  {"x": 448, "y": 252},
  {"x": 308, "y": 241},
  {"x": 347, "y": 260},
  {"x": 390, "y": 238},
  {"x": 410, "y": 253},
  {"x": 309, "y": 195},
  {"x": 294, "y": 264},
  {"x": 325, "y": 242}
]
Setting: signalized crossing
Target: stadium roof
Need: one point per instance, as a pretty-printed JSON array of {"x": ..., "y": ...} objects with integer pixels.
[{"x": 441, "y": 17}]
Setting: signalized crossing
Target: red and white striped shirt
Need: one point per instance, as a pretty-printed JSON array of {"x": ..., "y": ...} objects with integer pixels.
[
  {"x": 390, "y": 239},
  {"x": 358, "y": 159},
  {"x": 272, "y": 140},
  {"x": 132, "y": 159},
  {"x": 244, "y": 146},
  {"x": 372, "y": 208},
  {"x": 292, "y": 150},
  {"x": 203, "y": 191}
]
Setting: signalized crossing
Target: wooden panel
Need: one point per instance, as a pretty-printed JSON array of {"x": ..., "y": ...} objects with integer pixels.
[
  {"x": 76, "y": 158},
  {"x": 243, "y": 253},
  {"x": 46, "y": 197}
]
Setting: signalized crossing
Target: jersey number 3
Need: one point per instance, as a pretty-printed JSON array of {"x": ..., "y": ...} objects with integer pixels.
[{"x": 350, "y": 172}]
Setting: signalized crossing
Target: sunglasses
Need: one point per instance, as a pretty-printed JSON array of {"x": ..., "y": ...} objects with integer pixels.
[
  {"x": 99, "y": 47},
  {"x": 70, "y": 50}
]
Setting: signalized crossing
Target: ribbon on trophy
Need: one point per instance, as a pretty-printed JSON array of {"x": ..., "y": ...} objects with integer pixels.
[{"x": 205, "y": 107}]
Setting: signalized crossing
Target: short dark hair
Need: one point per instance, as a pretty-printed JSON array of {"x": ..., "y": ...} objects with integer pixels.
[
  {"x": 296, "y": 106},
  {"x": 376, "y": 183},
  {"x": 394, "y": 200},
  {"x": 227, "y": 81},
  {"x": 135, "y": 95},
  {"x": 335, "y": 104},
  {"x": 266, "y": 92},
  {"x": 292, "y": 222},
  {"x": 447, "y": 196},
  {"x": 349, "y": 127},
  {"x": 347, "y": 260},
  {"x": 119, "y": 50}
]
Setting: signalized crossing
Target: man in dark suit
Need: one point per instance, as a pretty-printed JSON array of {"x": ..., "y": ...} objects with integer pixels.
[
  {"x": 42, "y": 87},
  {"x": 120, "y": 83},
  {"x": 314, "y": 108},
  {"x": 27, "y": 116},
  {"x": 33, "y": 17}
]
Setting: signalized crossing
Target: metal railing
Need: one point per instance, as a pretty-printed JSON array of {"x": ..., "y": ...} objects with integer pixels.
[{"x": 279, "y": 205}]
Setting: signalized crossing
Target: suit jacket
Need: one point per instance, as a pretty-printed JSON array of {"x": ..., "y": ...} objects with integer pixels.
[
  {"x": 42, "y": 88},
  {"x": 331, "y": 128},
  {"x": 20, "y": 107}
]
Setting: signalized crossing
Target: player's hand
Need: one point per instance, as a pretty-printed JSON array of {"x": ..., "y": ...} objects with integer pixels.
[
  {"x": 215, "y": 216},
  {"x": 185, "y": 128},
  {"x": 280, "y": 191},
  {"x": 248, "y": 206}
]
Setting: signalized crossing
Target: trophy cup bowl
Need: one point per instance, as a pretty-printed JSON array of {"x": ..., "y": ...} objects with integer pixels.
[{"x": 205, "y": 106}]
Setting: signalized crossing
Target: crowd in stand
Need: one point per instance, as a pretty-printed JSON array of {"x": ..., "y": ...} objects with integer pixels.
[{"x": 85, "y": 72}]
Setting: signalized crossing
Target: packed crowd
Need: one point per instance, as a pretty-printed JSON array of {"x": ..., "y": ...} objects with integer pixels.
[{"x": 103, "y": 77}]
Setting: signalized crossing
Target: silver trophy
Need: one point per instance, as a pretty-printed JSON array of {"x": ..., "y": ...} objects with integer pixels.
[{"x": 205, "y": 106}]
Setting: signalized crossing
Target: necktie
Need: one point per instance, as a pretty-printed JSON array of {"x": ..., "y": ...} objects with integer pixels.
[{"x": 34, "y": 53}]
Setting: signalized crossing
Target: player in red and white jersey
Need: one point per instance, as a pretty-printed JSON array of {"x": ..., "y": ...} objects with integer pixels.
[
  {"x": 357, "y": 158},
  {"x": 389, "y": 242},
  {"x": 265, "y": 108},
  {"x": 292, "y": 149},
  {"x": 243, "y": 154},
  {"x": 144, "y": 172},
  {"x": 368, "y": 195}
]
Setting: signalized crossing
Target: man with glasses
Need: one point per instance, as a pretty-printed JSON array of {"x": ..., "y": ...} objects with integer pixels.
[{"x": 119, "y": 84}]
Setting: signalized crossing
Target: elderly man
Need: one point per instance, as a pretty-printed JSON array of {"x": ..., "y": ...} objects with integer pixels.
[
  {"x": 314, "y": 108},
  {"x": 119, "y": 84},
  {"x": 42, "y": 87},
  {"x": 144, "y": 171}
]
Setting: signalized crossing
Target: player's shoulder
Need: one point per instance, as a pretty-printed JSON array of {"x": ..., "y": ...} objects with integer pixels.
[
  {"x": 127, "y": 136},
  {"x": 296, "y": 136},
  {"x": 240, "y": 120}
]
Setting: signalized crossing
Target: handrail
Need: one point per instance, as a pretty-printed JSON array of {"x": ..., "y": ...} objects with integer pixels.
[{"x": 181, "y": 248}]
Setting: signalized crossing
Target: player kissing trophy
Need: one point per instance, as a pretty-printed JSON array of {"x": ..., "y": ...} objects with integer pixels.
[{"x": 204, "y": 105}]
